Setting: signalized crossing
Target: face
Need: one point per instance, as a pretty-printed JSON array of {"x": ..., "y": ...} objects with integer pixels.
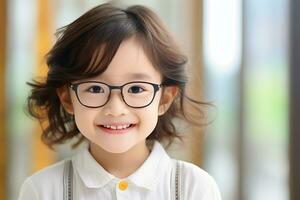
[{"x": 116, "y": 127}]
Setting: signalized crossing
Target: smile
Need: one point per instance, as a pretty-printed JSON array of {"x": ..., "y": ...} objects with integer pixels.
[{"x": 117, "y": 127}]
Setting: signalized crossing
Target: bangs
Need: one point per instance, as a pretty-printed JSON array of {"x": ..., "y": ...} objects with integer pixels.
[
  {"x": 103, "y": 55},
  {"x": 86, "y": 50},
  {"x": 87, "y": 46}
]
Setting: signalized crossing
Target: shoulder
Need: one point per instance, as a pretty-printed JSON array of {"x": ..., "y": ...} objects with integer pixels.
[
  {"x": 192, "y": 172},
  {"x": 49, "y": 174},
  {"x": 44, "y": 182},
  {"x": 197, "y": 183}
]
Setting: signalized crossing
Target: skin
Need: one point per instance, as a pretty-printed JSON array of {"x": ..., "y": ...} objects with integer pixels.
[{"x": 121, "y": 154}]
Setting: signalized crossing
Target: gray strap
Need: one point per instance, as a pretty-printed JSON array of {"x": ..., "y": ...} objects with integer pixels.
[
  {"x": 68, "y": 181},
  {"x": 177, "y": 181}
]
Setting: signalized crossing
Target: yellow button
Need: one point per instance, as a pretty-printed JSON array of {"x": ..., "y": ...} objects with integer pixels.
[{"x": 123, "y": 185}]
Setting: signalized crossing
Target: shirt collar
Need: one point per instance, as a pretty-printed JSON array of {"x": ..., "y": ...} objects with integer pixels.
[
  {"x": 152, "y": 169},
  {"x": 147, "y": 175},
  {"x": 91, "y": 173}
]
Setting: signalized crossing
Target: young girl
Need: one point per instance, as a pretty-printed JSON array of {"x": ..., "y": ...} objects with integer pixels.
[{"x": 117, "y": 80}]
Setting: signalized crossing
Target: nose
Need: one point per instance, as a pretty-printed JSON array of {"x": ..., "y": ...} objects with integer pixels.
[{"x": 115, "y": 105}]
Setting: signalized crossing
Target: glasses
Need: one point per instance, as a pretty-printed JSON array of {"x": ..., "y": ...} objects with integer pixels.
[{"x": 93, "y": 94}]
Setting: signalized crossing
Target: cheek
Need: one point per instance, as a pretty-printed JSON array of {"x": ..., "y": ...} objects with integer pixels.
[
  {"x": 153, "y": 108},
  {"x": 84, "y": 117},
  {"x": 150, "y": 115}
]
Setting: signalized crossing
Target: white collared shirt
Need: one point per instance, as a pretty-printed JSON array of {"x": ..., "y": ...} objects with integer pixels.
[{"x": 153, "y": 180}]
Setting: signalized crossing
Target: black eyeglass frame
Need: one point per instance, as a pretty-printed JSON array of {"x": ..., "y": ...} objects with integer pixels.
[{"x": 74, "y": 87}]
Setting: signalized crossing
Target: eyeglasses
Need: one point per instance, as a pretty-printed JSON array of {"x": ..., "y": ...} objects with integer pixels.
[{"x": 93, "y": 94}]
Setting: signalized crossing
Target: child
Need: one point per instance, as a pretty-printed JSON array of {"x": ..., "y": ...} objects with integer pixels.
[{"x": 117, "y": 80}]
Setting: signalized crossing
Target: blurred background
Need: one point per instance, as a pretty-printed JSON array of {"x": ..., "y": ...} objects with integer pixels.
[{"x": 243, "y": 55}]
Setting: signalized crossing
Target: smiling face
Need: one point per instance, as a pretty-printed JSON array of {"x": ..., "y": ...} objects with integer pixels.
[{"x": 116, "y": 127}]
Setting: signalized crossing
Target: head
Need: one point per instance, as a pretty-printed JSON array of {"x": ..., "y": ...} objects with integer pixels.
[{"x": 113, "y": 46}]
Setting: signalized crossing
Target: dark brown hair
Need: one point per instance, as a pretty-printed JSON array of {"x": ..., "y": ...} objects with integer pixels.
[{"x": 73, "y": 58}]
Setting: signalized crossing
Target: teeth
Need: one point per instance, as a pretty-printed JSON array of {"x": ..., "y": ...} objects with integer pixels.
[
  {"x": 113, "y": 127},
  {"x": 117, "y": 127}
]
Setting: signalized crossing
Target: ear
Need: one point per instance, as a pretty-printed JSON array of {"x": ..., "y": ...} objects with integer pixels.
[
  {"x": 65, "y": 99},
  {"x": 168, "y": 95}
]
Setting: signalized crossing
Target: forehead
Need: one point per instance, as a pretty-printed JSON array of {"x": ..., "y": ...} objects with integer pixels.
[{"x": 130, "y": 63}]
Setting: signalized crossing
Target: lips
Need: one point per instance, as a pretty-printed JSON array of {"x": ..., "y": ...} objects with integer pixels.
[{"x": 116, "y": 128}]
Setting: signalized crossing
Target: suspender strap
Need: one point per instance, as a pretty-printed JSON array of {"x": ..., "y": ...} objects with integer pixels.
[
  {"x": 177, "y": 181},
  {"x": 68, "y": 181}
]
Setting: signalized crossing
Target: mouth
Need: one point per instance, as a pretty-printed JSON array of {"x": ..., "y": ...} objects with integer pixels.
[{"x": 116, "y": 129}]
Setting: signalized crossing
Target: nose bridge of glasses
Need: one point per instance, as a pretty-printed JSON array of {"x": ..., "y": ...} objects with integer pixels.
[
  {"x": 113, "y": 87},
  {"x": 114, "y": 98}
]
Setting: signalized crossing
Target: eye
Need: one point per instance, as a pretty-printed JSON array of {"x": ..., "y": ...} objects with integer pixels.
[
  {"x": 95, "y": 89},
  {"x": 136, "y": 89}
]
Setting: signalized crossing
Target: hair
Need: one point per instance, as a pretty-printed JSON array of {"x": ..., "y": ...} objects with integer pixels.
[{"x": 85, "y": 48}]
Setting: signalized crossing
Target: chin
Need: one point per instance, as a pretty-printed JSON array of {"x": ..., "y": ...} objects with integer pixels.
[{"x": 116, "y": 149}]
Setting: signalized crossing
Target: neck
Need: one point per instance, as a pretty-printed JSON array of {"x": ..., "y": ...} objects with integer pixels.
[{"x": 121, "y": 165}]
